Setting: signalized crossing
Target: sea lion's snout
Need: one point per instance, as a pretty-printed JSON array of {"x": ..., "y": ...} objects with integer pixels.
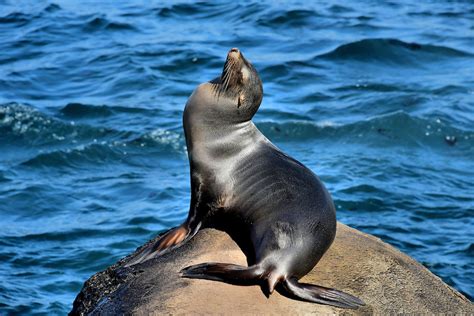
[{"x": 234, "y": 52}]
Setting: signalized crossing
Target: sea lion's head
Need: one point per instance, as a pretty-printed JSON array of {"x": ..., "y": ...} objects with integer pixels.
[
  {"x": 239, "y": 83},
  {"x": 231, "y": 98}
]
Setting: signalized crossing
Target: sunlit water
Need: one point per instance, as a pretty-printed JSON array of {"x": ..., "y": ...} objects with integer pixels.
[{"x": 377, "y": 99}]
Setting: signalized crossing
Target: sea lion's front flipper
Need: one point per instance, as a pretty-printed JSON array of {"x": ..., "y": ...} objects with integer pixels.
[
  {"x": 169, "y": 240},
  {"x": 320, "y": 294},
  {"x": 224, "y": 272}
]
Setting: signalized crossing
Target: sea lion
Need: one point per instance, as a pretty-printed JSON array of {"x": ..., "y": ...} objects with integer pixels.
[{"x": 277, "y": 210}]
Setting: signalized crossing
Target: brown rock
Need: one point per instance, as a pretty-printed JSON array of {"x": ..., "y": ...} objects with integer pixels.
[{"x": 387, "y": 280}]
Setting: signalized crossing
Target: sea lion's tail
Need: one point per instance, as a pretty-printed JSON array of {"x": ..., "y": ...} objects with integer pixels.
[
  {"x": 240, "y": 275},
  {"x": 320, "y": 294}
]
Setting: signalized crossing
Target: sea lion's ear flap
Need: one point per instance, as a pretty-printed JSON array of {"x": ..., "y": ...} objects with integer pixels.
[{"x": 238, "y": 102}]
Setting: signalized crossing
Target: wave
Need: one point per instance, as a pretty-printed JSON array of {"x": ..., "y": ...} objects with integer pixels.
[
  {"x": 157, "y": 142},
  {"x": 201, "y": 10},
  {"x": 3, "y": 177},
  {"x": 87, "y": 23},
  {"x": 394, "y": 129},
  {"x": 290, "y": 18},
  {"x": 392, "y": 51},
  {"x": 21, "y": 18},
  {"x": 97, "y": 23},
  {"x": 79, "y": 110},
  {"x": 73, "y": 158},
  {"x": 19, "y": 122},
  {"x": 67, "y": 142},
  {"x": 15, "y": 18}
]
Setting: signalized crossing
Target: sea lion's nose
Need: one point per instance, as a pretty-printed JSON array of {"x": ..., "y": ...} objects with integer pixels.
[{"x": 234, "y": 50}]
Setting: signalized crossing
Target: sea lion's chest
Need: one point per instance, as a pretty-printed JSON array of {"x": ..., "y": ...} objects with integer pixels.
[{"x": 217, "y": 182}]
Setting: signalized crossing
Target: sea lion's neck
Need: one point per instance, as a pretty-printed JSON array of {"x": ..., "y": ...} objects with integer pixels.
[
  {"x": 215, "y": 144},
  {"x": 215, "y": 131},
  {"x": 214, "y": 154}
]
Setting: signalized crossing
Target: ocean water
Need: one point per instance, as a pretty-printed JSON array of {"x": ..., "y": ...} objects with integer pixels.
[{"x": 376, "y": 98}]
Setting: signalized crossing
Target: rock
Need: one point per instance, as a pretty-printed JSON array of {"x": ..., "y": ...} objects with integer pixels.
[{"x": 386, "y": 279}]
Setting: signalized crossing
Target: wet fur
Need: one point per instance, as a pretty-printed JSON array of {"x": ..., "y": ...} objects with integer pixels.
[{"x": 275, "y": 208}]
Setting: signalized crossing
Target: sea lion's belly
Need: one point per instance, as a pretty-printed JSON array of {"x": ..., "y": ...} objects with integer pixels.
[
  {"x": 289, "y": 213},
  {"x": 270, "y": 184}
]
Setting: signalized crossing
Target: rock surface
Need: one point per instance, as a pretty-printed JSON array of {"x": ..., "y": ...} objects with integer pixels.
[{"x": 387, "y": 280}]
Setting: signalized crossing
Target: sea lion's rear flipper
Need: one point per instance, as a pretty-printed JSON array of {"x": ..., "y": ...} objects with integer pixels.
[
  {"x": 168, "y": 241},
  {"x": 320, "y": 294},
  {"x": 224, "y": 272}
]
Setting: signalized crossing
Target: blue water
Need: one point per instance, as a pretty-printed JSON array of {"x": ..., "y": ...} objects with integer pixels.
[{"x": 377, "y": 99}]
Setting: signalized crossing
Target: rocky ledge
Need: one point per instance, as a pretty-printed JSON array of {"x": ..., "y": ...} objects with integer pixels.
[{"x": 387, "y": 280}]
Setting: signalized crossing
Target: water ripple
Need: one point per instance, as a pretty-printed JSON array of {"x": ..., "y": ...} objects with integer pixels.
[{"x": 376, "y": 99}]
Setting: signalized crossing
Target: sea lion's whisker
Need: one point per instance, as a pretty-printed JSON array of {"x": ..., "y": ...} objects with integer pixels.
[
  {"x": 227, "y": 80},
  {"x": 231, "y": 74}
]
